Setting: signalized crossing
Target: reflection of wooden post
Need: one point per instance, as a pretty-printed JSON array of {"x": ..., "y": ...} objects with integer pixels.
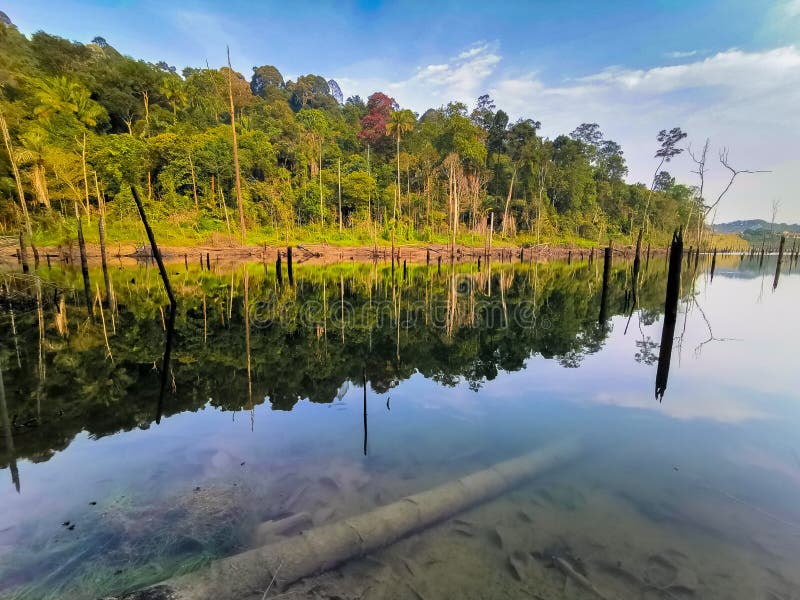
[
  {"x": 12, "y": 460},
  {"x": 173, "y": 305},
  {"x": 87, "y": 291},
  {"x": 247, "y": 343},
  {"x": 365, "y": 411},
  {"x": 670, "y": 313},
  {"x": 278, "y": 274},
  {"x": 101, "y": 229}
]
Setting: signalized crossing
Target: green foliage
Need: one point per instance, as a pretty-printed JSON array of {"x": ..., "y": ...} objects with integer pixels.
[{"x": 171, "y": 135}]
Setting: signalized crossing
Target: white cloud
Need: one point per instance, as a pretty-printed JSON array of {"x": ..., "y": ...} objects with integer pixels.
[
  {"x": 746, "y": 101},
  {"x": 732, "y": 69},
  {"x": 681, "y": 54},
  {"x": 463, "y": 77},
  {"x": 792, "y": 8}
]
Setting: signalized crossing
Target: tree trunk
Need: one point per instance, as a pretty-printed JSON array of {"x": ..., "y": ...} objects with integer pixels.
[
  {"x": 508, "y": 200},
  {"x": 87, "y": 289},
  {"x": 235, "y": 151},
  {"x": 397, "y": 195},
  {"x": 15, "y": 171},
  {"x": 101, "y": 227},
  {"x": 194, "y": 183},
  {"x": 339, "y": 175}
]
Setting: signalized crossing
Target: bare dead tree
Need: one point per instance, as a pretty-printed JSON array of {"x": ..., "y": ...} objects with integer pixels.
[
  {"x": 236, "y": 150},
  {"x": 776, "y": 206},
  {"x": 700, "y": 161},
  {"x": 723, "y": 158}
]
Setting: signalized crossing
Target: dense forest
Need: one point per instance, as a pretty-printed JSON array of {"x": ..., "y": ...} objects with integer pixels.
[{"x": 82, "y": 122}]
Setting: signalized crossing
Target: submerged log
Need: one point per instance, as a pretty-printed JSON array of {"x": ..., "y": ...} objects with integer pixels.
[{"x": 323, "y": 548}]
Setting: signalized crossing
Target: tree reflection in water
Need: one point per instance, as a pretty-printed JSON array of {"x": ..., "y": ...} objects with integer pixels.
[{"x": 460, "y": 325}]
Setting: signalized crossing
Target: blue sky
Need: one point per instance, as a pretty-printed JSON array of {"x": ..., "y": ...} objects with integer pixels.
[{"x": 728, "y": 70}]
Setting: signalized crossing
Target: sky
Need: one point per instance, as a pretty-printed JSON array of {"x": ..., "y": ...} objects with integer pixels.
[{"x": 726, "y": 70}]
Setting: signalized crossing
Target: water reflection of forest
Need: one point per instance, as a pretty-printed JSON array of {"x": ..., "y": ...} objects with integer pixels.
[{"x": 305, "y": 340}]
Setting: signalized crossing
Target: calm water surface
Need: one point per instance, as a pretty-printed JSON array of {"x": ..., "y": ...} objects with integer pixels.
[{"x": 107, "y": 486}]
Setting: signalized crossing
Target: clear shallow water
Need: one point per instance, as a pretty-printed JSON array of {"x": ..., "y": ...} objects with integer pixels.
[{"x": 697, "y": 496}]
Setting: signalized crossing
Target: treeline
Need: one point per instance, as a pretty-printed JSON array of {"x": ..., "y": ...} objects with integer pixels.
[{"x": 82, "y": 122}]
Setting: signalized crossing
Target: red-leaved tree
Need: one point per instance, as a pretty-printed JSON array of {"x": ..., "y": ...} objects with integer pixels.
[{"x": 373, "y": 124}]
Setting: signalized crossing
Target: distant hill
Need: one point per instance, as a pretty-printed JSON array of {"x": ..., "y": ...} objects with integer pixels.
[
  {"x": 758, "y": 231},
  {"x": 759, "y": 225}
]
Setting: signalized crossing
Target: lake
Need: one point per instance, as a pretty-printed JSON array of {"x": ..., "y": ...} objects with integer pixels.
[{"x": 308, "y": 402}]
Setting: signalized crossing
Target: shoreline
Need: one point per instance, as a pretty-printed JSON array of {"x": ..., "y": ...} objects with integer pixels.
[{"x": 317, "y": 254}]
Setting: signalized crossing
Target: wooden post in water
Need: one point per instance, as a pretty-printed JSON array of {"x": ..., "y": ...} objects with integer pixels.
[
  {"x": 609, "y": 251},
  {"x": 569, "y": 257},
  {"x": 713, "y": 264},
  {"x": 289, "y": 270},
  {"x": 427, "y": 257},
  {"x": 637, "y": 263},
  {"x": 591, "y": 256},
  {"x": 208, "y": 261},
  {"x": 7, "y": 434},
  {"x": 780, "y": 261},
  {"x": 670, "y": 313},
  {"x": 278, "y": 273},
  {"x": 405, "y": 270},
  {"x": 23, "y": 252}
]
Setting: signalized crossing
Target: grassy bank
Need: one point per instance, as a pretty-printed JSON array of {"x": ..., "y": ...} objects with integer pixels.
[{"x": 190, "y": 230}]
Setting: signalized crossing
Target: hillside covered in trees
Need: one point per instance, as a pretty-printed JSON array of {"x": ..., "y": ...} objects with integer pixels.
[{"x": 82, "y": 122}]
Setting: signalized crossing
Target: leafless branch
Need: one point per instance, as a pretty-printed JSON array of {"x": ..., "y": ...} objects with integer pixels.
[{"x": 723, "y": 158}]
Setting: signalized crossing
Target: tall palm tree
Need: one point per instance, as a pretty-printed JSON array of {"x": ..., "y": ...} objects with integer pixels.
[
  {"x": 62, "y": 95},
  {"x": 34, "y": 147},
  {"x": 174, "y": 91},
  {"x": 401, "y": 122},
  {"x": 54, "y": 95}
]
